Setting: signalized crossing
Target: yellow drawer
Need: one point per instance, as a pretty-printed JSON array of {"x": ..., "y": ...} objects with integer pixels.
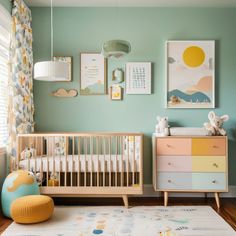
[
  {"x": 209, "y": 164},
  {"x": 209, "y": 146}
]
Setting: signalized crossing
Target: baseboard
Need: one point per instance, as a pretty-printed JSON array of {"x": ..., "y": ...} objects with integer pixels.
[{"x": 149, "y": 192}]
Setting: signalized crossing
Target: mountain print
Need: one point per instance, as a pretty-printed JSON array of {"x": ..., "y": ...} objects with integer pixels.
[{"x": 197, "y": 97}]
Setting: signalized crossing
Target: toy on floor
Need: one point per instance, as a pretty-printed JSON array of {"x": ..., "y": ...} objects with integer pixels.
[
  {"x": 32, "y": 209},
  {"x": 214, "y": 127},
  {"x": 17, "y": 184},
  {"x": 162, "y": 127}
]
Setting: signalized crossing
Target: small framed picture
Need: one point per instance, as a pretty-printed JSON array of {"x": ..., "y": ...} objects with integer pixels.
[
  {"x": 116, "y": 92},
  {"x": 138, "y": 78},
  {"x": 93, "y": 74},
  {"x": 190, "y": 74},
  {"x": 68, "y": 60}
]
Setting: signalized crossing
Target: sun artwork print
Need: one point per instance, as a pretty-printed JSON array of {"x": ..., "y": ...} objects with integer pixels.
[{"x": 190, "y": 74}]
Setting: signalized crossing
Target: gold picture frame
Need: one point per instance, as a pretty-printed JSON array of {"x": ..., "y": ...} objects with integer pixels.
[
  {"x": 93, "y": 74},
  {"x": 116, "y": 92}
]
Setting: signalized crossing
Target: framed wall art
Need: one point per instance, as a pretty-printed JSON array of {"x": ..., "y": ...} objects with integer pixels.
[
  {"x": 138, "y": 78},
  {"x": 93, "y": 74},
  {"x": 68, "y": 60},
  {"x": 116, "y": 92},
  {"x": 190, "y": 74}
]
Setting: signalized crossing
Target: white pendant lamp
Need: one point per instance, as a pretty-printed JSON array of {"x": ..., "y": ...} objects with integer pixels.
[{"x": 51, "y": 70}]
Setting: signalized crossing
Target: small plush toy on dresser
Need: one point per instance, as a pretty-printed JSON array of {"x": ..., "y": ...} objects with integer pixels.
[
  {"x": 214, "y": 127},
  {"x": 162, "y": 127}
]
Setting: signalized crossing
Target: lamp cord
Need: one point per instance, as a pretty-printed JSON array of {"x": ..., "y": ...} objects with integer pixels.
[{"x": 51, "y": 32}]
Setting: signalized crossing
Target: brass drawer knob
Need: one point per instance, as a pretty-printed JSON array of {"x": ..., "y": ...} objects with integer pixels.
[
  {"x": 215, "y": 165},
  {"x": 214, "y": 146}
]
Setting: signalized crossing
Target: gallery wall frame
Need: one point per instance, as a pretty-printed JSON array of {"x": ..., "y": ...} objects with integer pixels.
[
  {"x": 69, "y": 60},
  {"x": 190, "y": 74},
  {"x": 93, "y": 74},
  {"x": 116, "y": 92},
  {"x": 138, "y": 77}
]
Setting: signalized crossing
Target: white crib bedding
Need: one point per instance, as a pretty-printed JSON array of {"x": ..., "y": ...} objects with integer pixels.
[{"x": 82, "y": 163}]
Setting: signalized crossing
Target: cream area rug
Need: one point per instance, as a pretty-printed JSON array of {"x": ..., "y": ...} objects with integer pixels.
[{"x": 136, "y": 221}]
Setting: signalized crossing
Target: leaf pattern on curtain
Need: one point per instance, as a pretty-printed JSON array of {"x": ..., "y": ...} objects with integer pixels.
[{"x": 21, "y": 105}]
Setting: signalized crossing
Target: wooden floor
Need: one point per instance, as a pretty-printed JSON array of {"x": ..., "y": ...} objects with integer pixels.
[{"x": 227, "y": 210}]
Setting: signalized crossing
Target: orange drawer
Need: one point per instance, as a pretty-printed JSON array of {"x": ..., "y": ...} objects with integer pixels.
[
  {"x": 208, "y": 147},
  {"x": 173, "y": 146}
]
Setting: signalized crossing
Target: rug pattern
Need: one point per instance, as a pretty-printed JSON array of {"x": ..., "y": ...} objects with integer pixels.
[{"x": 136, "y": 221}]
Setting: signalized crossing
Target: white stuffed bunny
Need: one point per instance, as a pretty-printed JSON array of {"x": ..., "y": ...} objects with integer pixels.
[
  {"x": 162, "y": 127},
  {"x": 214, "y": 127}
]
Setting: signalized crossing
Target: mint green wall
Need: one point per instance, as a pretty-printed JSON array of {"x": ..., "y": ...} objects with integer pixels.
[
  {"x": 7, "y": 4},
  {"x": 79, "y": 30}
]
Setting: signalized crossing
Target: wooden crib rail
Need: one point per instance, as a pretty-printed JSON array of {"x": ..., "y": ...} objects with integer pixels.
[{"x": 85, "y": 163}]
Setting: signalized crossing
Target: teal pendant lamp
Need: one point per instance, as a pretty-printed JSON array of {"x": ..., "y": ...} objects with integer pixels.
[{"x": 116, "y": 48}]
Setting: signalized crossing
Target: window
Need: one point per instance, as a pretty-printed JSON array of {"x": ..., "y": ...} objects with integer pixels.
[{"x": 5, "y": 27}]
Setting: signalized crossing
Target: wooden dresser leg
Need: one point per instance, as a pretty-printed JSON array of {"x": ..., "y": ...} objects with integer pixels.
[
  {"x": 126, "y": 202},
  {"x": 165, "y": 198},
  {"x": 217, "y": 200}
]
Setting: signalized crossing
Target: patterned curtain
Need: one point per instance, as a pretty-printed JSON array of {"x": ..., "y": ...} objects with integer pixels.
[{"x": 21, "y": 105}]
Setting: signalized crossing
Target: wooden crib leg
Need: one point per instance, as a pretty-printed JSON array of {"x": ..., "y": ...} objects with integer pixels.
[{"x": 126, "y": 202}]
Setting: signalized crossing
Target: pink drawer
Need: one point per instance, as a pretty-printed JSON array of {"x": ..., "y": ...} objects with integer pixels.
[
  {"x": 173, "y": 146},
  {"x": 174, "y": 164}
]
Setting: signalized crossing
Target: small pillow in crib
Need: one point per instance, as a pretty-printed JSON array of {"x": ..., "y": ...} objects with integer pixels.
[{"x": 27, "y": 153}]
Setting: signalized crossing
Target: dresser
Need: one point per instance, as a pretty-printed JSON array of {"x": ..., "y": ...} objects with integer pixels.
[{"x": 190, "y": 164}]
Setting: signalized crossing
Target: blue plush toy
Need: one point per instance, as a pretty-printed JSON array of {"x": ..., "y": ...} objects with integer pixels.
[{"x": 17, "y": 184}]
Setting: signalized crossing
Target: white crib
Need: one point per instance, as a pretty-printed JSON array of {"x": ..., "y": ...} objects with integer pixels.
[{"x": 84, "y": 164}]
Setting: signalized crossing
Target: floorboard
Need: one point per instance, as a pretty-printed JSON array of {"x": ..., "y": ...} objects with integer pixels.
[{"x": 227, "y": 210}]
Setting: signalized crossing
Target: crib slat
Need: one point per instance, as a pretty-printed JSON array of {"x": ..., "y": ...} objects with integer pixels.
[
  {"x": 48, "y": 149},
  {"x": 122, "y": 159},
  {"x": 66, "y": 162},
  {"x": 109, "y": 161},
  {"x": 60, "y": 169},
  {"x": 104, "y": 161},
  {"x": 41, "y": 161},
  {"x": 116, "y": 167},
  {"x": 78, "y": 173},
  {"x": 127, "y": 161},
  {"x": 91, "y": 161},
  {"x": 98, "y": 166},
  {"x": 53, "y": 159},
  {"x": 72, "y": 164},
  {"x": 35, "y": 155},
  {"x": 85, "y": 168},
  {"x": 133, "y": 161}
]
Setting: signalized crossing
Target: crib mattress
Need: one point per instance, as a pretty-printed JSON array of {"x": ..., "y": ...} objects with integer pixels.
[{"x": 82, "y": 163}]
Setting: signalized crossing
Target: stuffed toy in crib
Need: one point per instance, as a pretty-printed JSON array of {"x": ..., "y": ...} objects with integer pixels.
[{"x": 28, "y": 153}]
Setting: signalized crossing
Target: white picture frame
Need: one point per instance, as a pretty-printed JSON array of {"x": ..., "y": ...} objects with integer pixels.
[
  {"x": 190, "y": 74},
  {"x": 138, "y": 77}
]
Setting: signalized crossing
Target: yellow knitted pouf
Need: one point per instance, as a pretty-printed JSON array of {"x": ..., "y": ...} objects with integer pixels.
[{"x": 32, "y": 209}]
